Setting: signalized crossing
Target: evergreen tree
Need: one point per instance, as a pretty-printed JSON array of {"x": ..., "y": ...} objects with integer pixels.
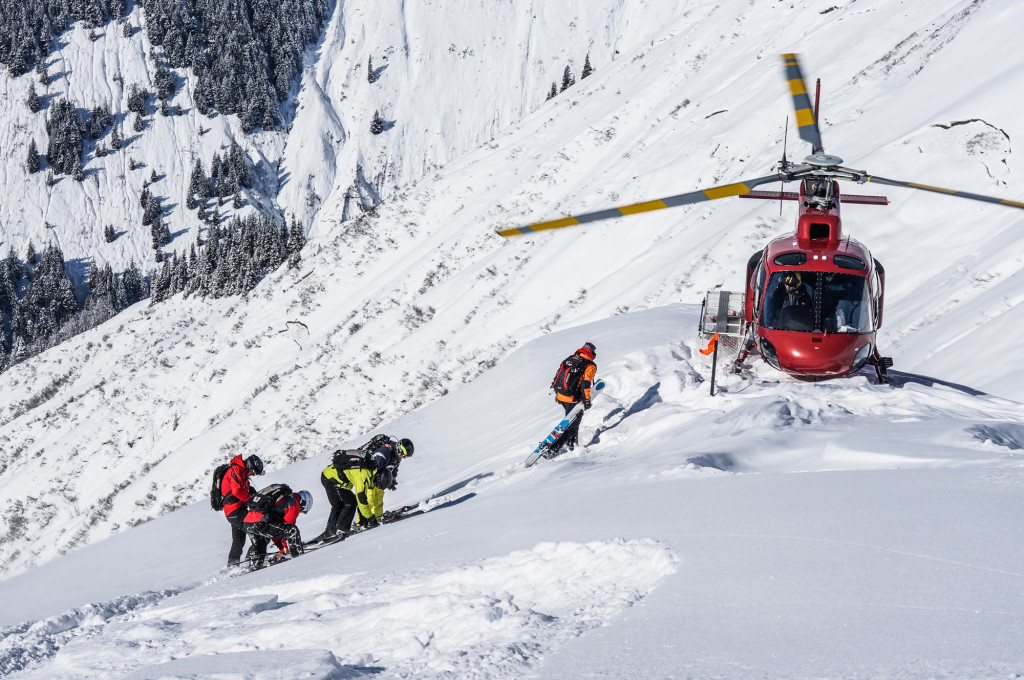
[
  {"x": 32, "y": 162},
  {"x": 33, "y": 99},
  {"x": 297, "y": 238},
  {"x": 163, "y": 81},
  {"x": 79, "y": 173},
  {"x": 160, "y": 233},
  {"x": 197, "y": 180},
  {"x": 49, "y": 178},
  {"x": 190, "y": 202},
  {"x": 377, "y": 124},
  {"x": 370, "y": 75},
  {"x": 109, "y": 234},
  {"x": 127, "y": 30},
  {"x": 568, "y": 80},
  {"x": 553, "y": 91},
  {"x": 67, "y": 137},
  {"x": 153, "y": 177},
  {"x": 137, "y": 98},
  {"x": 137, "y": 125},
  {"x": 115, "y": 140},
  {"x": 100, "y": 120},
  {"x": 587, "y": 68},
  {"x": 236, "y": 203}
]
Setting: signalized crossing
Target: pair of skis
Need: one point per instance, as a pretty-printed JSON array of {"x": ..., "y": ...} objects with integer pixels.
[
  {"x": 553, "y": 441},
  {"x": 389, "y": 517}
]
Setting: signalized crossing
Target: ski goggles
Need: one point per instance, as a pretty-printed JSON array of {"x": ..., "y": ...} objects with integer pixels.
[{"x": 402, "y": 452}]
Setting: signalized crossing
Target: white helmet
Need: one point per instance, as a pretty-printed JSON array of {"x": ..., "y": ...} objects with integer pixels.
[{"x": 305, "y": 501}]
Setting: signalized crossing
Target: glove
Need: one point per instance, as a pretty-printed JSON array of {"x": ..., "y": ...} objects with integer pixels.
[{"x": 586, "y": 404}]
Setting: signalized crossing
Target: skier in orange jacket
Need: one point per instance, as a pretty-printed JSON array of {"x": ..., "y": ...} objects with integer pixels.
[{"x": 572, "y": 385}]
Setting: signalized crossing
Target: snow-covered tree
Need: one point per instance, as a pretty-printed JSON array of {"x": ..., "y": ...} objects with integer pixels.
[
  {"x": 33, "y": 99},
  {"x": 587, "y": 68},
  {"x": 568, "y": 79},
  {"x": 32, "y": 162},
  {"x": 66, "y": 137}
]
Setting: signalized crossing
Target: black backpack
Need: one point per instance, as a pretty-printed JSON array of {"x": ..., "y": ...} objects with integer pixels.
[
  {"x": 264, "y": 500},
  {"x": 570, "y": 375},
  {"x": 216, "y": 497},
  {"x": 347, "y": 459},
  {"x": 375, "y": 443}
]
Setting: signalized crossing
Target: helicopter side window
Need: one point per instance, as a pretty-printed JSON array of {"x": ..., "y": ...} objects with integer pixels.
[
  {"x": 758, "y": 286},
  {"x": 846, "y": 306},
  {"x": 789, "y": 301}
]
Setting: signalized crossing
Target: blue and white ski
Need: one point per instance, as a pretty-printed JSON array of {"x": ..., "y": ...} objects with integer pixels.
[{"x": 560, "y": 429}]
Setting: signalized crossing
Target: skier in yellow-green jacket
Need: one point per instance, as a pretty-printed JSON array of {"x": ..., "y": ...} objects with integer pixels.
[{"x": 355, "y": 485}]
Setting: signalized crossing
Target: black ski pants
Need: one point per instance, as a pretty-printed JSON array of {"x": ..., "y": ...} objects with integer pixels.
[
  {"x": 237, "y": 535},
  {"x": 343, "y": 507},
  {"x": 260, "y": 533},
  {"x": 572, "y": 432}
]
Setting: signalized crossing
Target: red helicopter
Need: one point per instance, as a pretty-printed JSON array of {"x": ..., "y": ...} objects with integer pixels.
[{"x": 813, "y": 300}]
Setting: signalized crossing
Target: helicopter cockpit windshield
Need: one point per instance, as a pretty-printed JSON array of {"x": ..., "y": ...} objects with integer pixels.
[{"x": 817, "y": 302}]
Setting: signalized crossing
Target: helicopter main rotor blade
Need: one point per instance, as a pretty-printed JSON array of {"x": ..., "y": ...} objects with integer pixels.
[
  {"x": 940, "y": 190},
  {"x": 669, "y": 202},
  {"x": 806, "y": 123}
]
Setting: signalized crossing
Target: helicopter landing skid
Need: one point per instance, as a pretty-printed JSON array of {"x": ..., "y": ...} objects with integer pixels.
[{"x": 881, "y": 365}]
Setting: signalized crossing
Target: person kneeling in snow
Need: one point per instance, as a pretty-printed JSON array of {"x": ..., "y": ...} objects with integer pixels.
[{"x": 272, "y": 515}]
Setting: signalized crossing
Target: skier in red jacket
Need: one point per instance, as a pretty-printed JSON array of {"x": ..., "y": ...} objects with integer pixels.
[
  {"x": 237, "y": 489},
  {"x": 278, "y": 525}
]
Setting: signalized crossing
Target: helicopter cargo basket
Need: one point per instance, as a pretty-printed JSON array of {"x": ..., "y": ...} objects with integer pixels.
[{"x": 722, "y": 327}]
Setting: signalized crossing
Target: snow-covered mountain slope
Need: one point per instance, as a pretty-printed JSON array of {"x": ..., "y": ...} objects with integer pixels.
[
  {"x": 389, "y": 311},
  {"x": 93, "y": 73},
  {"x": 444, "y": 85},
  {"x": 778, "y": 530}
]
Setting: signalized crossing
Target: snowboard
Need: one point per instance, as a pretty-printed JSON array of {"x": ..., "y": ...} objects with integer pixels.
[{"x": 560, "y": 429}]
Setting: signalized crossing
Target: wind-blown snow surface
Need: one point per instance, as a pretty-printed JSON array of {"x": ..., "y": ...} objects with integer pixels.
[
  {"x": 840, "y": 529},
  {"x": 390, "y": 311}
]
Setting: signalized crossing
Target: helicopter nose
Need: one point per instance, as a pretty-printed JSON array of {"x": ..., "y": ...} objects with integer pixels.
[{"x": 817, "y": 355}]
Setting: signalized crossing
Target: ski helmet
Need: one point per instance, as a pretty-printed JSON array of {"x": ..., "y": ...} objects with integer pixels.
[
  {"x": 590, "y": 346},
  {"x": 254, "y": 465},
  {"x": 405, "y": 448},
  {"x": 305, "y": 501},
  {"x": 384, "y": 479}
]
